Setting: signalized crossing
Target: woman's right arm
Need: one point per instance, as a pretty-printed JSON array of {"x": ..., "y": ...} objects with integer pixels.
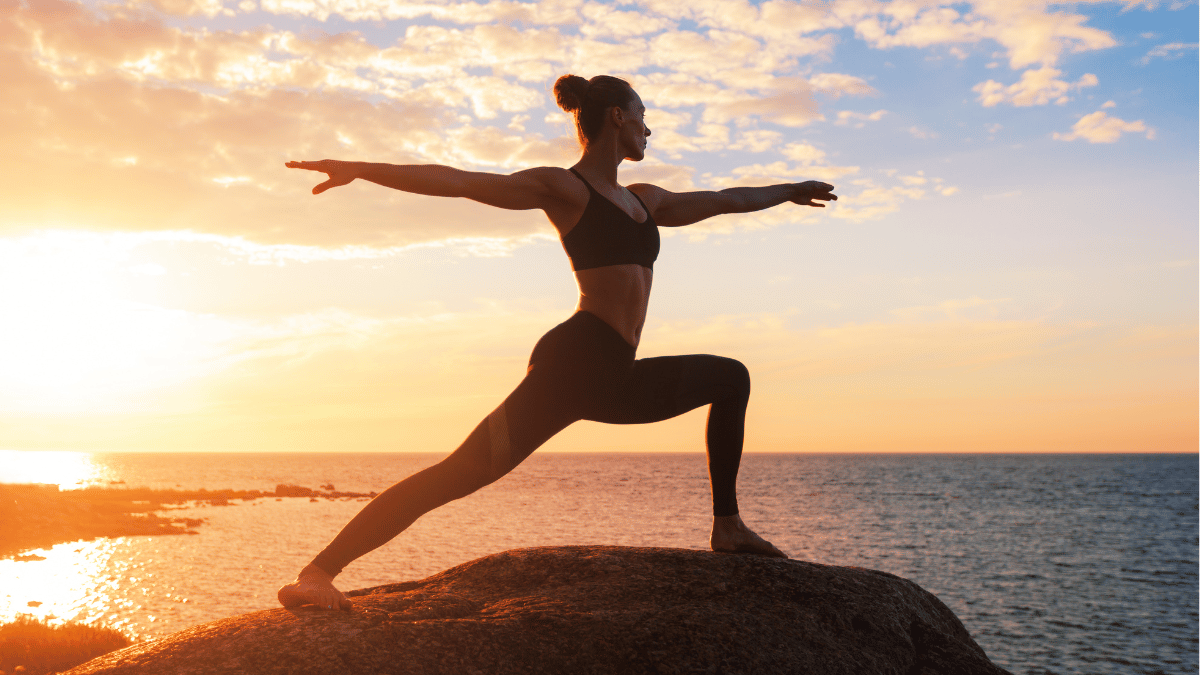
[{"x": 528, "y": 189}]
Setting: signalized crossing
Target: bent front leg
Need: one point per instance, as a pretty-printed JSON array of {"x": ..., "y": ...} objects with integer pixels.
[
  {"x": 663, "y": 387},
  {"x": 725, "y": 384}
]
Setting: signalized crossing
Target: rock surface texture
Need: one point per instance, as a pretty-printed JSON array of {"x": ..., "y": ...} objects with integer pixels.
[{"x": 592, "y": 609}]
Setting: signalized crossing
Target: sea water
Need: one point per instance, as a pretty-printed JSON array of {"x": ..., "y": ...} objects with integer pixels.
[{"x": 1055, "y": 563}]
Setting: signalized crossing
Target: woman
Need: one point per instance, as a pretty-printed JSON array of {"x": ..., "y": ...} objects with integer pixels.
[{"x": 585, "y": 367}]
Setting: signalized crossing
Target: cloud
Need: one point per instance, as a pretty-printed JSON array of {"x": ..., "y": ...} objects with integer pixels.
[
  {"x": 1029, "y": 33},
  {"x": 773, "y": 21},
  {"x": 208, "y": 8},
  {"x": 492, "y": 147},
  {"x": 757, "y": 140},
  {"x": 489, "y": 95},
  {"x": 803, "y": 153},
  {"x": 789, "y": 103},
  {"x": 1036, "y": 87},
  {"x": 607, "y": 21},
  {"x": 1098, "y": 127},
  {"x": 857, "y": 119},
  {"x": 873, "y": 201},
  {"x": 499, "y": 12},
  {"x": 837, "y": 84},
  {"x": 669, "y": 133},
  {"x": 1169, "y": 51}
]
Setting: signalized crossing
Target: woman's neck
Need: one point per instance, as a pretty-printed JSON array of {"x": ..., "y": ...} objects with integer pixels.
[{"x": 600, "y": 162}]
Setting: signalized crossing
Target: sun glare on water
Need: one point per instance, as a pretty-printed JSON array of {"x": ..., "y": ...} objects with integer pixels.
[
  {"x": 67, "y": 470},
  {"x": 80, "y": 581}
]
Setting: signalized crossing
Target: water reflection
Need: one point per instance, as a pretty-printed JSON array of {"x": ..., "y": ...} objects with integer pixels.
[
  {"x": 97, "y": 582},
  {"x": 68, "y": 470}
]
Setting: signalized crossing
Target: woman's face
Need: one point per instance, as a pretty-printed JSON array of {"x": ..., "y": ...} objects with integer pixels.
[{"x": 634, "y": 132}]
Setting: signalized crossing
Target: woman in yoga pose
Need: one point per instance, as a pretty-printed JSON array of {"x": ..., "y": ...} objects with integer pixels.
[{"x": 584, "y": 368}]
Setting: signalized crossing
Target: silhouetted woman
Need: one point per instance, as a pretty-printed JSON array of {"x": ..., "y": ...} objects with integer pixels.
[{"x": 584, "y": 368}]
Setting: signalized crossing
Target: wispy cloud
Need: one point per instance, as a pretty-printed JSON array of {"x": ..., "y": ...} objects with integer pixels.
[
  {"x": 1036, "y": 87},
  {"x": 1169, "y": 51},
  {"x": 1098, "y": 127}
]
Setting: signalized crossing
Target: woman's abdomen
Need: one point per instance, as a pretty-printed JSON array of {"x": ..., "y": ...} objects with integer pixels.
[{"x": 619, "y": 295}]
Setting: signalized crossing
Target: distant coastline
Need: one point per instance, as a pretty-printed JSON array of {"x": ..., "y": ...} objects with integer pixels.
[{"x": 40, "y": 515}]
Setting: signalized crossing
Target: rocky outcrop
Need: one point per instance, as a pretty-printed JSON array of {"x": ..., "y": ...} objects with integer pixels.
[
  {"x": 37, "y": 515},
  {"x": 592, "y": 609}
]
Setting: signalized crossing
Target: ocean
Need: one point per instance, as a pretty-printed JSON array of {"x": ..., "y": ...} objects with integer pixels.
[{"x": 1074, "y": 563}]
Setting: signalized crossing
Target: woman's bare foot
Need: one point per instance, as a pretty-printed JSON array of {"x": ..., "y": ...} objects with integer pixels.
[
  {"x": 313, "y": 587},
  {"x": 730, "y": 535}
]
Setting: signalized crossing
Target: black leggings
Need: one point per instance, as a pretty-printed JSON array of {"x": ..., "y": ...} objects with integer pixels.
[{"x": 581, "y": 370}]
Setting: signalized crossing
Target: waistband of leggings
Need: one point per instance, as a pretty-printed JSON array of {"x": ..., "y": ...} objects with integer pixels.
[{"x": 611, "y": 337}]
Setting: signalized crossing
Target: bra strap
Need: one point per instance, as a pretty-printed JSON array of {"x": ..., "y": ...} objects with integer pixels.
[
  {"x": 635, "y": 196},
  {"x": 585, "y": 182}
]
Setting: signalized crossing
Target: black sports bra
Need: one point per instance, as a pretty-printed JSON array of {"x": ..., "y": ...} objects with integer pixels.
[{"x": 605, "y": 235}]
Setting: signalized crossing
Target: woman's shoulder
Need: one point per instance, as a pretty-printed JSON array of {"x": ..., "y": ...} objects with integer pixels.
[
  {"x": 651, "y": 195},
  {"x": 552, "y": 180}
]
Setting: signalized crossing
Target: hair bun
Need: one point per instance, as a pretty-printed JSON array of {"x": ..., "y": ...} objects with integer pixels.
[{"x": 569, "y": 92}]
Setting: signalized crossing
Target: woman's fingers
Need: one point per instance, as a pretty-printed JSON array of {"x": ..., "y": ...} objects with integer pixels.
[
  {"x": 326, "y": 185},
  {"x": 813, "y": 190},
  {"x": 311, "y": 166},
  {"x": 324, "y": 166}
]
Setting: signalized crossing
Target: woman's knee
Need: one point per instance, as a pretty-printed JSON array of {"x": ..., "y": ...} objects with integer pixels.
[{"x": 733, "y": 376}]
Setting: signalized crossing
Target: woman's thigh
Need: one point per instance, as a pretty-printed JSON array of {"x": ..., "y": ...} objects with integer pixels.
[
  {"x": 542, "y": 405},
  {"x": 660, "y": 388}
]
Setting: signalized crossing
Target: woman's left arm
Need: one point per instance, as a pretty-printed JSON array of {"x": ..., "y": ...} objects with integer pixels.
[{"x": 674, "y": 209}]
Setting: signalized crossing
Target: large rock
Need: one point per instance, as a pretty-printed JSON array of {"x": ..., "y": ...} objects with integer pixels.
[{"x": 592, "y": 609}]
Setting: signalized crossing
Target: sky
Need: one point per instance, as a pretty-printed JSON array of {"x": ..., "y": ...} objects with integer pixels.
[{"x": 1011, "y": 265}]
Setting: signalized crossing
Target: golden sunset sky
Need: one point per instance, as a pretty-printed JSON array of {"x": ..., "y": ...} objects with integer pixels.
[{"x": 1011, "y": 266}]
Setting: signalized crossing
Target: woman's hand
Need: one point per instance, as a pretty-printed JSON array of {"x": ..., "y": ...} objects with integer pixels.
[
  {"x": 340, "y": 173},
  {"x": 809, "y": 190}
]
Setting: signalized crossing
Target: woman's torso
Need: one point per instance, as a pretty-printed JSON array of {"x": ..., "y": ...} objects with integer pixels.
[
  {"x": 620, "y": 295},
  {"x": 612, "y": 243}
]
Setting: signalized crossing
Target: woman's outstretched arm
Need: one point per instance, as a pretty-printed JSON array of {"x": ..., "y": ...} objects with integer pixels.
[
  {"x": 673, "y": 209},
  {"x": 528, "y": 189}
]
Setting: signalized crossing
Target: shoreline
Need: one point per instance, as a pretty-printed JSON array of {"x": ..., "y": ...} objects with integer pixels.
[{"x": 40, "y": 515}]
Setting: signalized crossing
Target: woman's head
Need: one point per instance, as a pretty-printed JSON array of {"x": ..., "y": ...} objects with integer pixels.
[{"x": 591, "y": 102}]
